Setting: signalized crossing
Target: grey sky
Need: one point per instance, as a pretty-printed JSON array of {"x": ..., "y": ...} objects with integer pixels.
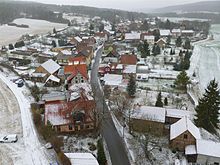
[{"x": 121, "y": 4}]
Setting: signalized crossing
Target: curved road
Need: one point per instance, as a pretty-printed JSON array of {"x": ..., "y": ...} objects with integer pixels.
[
  {"x": 114, "y": 142},
  {"x": 28, "y": 150}
]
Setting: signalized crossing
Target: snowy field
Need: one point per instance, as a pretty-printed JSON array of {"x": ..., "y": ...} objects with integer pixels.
[
  {"x": 16, "y": 118},
  {"x": 205, "y": 61},
  {"x": 10, "y": 34}
]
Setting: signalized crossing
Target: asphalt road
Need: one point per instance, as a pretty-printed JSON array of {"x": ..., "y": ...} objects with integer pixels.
[{"x": 114, "y": 142}]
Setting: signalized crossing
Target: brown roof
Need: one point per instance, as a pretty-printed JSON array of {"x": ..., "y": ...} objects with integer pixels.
[{"x": 128, "y": 59}]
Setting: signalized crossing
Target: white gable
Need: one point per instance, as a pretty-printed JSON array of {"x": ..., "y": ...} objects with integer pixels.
[
  {"x": 51, "y": 66},
  {"x": 53, "y": 78},
  {"x": 183, "y": 125}
]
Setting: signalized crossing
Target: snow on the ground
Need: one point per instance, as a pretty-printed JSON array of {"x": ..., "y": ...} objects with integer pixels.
[
  {"x": 30, "y": 152},
  {"x": 79, "y": 144},
  {"x": 9, "y": 34}
]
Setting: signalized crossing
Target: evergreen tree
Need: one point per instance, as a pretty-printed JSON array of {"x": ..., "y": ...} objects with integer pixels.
[
  {"x": 91, "y": 29},
  {"x": 187, "y": 44},
  {"x": 54, "y": 44},
  {"x": 182, "y": 80},
  {"x": 10, "y": 46},
  {"x": 54, "y": 31},
  {"x": 144, "y": 49},
  {"x": 179, "y": 41},
  {"x": 168, "y": 40},
  {"x": 167, "y": 24},
  {"x": 208, "y": 108},
  {"x": 101, "y": 27},
  {"x": 159, "y": 102},
  {"x": 166, "y": 101},
  {"x": 131, "y": 87}
]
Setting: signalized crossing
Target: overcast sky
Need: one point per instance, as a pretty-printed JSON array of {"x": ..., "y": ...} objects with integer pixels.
[{"x": 121, "y": 4}]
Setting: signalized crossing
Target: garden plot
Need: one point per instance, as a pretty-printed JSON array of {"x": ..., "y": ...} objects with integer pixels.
[{"x": 80, "y": 144}]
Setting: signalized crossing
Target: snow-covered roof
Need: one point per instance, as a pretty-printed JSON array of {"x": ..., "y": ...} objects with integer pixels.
[
  {"x": 208, "y": 148},
  {"x": 83, "y": 86},
  {"x": 149, "y": 113},
  {"x": 183, "y": 125},
  {"x": 54, "y": 96},
  {"x": 78, "y": 39},
  {"x": 53, "y": 78},
  {"x": 130, "y": 69},
  {"x": 149, "y": 37},
  {"x": 176, "y": 31},
  {"x": 38, "y": 75},
  {"x": 51, "y": 66},
  {"x": 176, "y": 113},
  {"x": 165, "y": 32},
  {"x": 52, "y": 113},
  {"x": 66, "y": 52},
  {"x": 74, "y": 96},
  {"x": 112, "y": 79},
  {"x": 82, "y": 159},
  {"x": 132, "y": 36},
  {"x": 190, "y": 150},
  {"x": 187, "y": 31}
]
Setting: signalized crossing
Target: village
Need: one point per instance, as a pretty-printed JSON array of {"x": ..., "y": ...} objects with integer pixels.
[{"x": 143, "y": 79}]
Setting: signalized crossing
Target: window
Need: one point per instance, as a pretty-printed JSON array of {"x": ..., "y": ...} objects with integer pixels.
[
  {"x": 185, "y": 136},
  {"x": 82, "y": 81},
  {"x": 70, "y": 127},
  {"x": 216, "y": 163}
]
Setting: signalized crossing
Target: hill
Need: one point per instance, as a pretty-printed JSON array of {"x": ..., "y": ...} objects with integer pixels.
[
  {"x": 205, "y": 6},
  {"x": 10, "y": 10}
]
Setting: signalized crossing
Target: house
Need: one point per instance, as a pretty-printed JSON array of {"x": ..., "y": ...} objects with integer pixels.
[
  {"x": 46, "y": 69},
  {"x": 75, "y": 40},
  {"x": 76, "y": 74},
  {"x": 114, "y": 80},
  {"x": 82, "y": 159},
  {"x": 187, "y": 33},
  {"x": 129, "y": 70},
  {"x": 101, "y": 36},
  {"x": 161, "y": 42},
  {"x": 204, "y": 152},
  {"x": 132, "y": 37},
  {"x": 174, "y": 115},
  {"x": 111, "y": 57},
  {"x": 104, "y": 69},
  {"x": 86, "y": 52},
  {"x": 150, "y": 39},
  {"x": 63, "y": 59},
  {"x": 127, "y": 59},
  {"x": 183, "y": 133},
  {"x": 116, "y": 68},
  {"x": 77, "y": 60},
  {"x": 176, "y": 32},
  {"x": 148, "y": 119},
  {"x": 52, "y": 81},
  {"x": 165, "y": 33},
  {"x": 74, "y": 116}
]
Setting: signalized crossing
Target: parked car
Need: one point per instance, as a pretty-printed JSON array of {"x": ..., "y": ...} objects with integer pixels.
[
  {"x": 48, "y": 146},
  {"x": 9, "y": 139}
]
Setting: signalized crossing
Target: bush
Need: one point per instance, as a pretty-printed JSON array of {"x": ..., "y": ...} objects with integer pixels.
[
  {"x": 57, "y": 143},
  {"x": 63, "y": 158},
  {"x": 92, "y": 147},
  {"x": 101, "y": 154}
]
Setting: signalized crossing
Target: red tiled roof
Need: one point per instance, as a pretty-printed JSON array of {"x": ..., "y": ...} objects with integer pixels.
[
  {"x": 75, "y": 69},
  {"x": 128, "y": 59},
  {"x": 79, "y": 59}
]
